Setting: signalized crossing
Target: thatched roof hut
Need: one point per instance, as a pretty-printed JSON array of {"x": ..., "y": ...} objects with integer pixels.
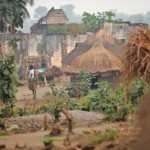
[
  {"x": 109, "y": 42},
  {"x": 54, "y": 16},
  {"x": 97, "y": 60}
]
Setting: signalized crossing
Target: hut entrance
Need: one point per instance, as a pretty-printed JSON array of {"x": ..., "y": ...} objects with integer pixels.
[
  {"x": 43, "y": 64},
  {"x": 93, "y": 81}
]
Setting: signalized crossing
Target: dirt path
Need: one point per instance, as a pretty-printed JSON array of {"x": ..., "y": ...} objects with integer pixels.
[
  {"x": 28, "y": 139},
  {"x": 23, "y": 93},
  {"x": 34, "y": 139}
]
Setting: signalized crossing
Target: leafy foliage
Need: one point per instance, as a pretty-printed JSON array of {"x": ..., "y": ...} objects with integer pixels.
[
  {"x": 81, "y": 86},
  {"x": 60, "y": 104},
  {"x": 8, "y": 79},
  {"x": 43, "y": 109},
  {"x": 93, "y": 20},
  {"x": 11, "y": 14},
  {"x": 11, "y": 17},
  {"x": 112, "y": 101},
  {"x": 49, "y": 140},
  {"x": 100, "y": 96},
  {"x": 138, "y": 89}
]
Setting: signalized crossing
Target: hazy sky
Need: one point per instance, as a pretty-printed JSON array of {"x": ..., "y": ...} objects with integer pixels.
[{"x": 125, "y": 6}]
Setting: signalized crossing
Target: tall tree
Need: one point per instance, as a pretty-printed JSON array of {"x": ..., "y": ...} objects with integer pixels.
[
  {"x": 90, "y": 20},
  {"x": 11, "y": 17}
]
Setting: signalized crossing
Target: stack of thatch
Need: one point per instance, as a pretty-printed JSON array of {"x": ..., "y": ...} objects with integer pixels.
[
  {"x": 101, "y": 37},
  {"x": 138, "y": 54},
  {"x": 54, "y": 71},
  {"x": 96, "y": 60}
]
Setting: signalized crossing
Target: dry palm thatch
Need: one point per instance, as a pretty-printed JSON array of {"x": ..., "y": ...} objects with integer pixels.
[
  {"x": 138, "y": 55},
  {"x": 109, "y": 42},
  {"x": 54, "y": 71},
  {"x": 96, "y": 60}
]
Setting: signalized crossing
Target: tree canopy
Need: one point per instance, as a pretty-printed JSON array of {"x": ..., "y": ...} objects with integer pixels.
[
  {"x": 12, "y": 14},
  {"x": 93, "y": 20}
]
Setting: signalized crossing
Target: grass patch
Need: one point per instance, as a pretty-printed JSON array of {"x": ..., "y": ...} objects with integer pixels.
[
  {"x": 4, "y": 133},
  {"x": 49, "y": 140},
  {"x": 109, "y": 135}
]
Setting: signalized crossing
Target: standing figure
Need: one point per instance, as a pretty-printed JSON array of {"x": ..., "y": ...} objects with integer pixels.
[{"x": 32, "y": 80}]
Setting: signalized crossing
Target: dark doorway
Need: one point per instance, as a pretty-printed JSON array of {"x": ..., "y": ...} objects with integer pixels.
[
  {"x": 94, "y": 80},
  {"x": 43, "y": 64}
]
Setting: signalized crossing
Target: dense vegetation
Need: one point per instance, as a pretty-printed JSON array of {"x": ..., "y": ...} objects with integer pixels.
[{"x": 70, "y": 29}]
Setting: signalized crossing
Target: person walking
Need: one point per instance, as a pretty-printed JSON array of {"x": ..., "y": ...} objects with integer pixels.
[{"x": 32, "y": 81}]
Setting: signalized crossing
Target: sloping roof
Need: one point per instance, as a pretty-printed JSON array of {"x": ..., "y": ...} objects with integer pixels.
[
  {"x": 54, "y": 16},
  {"x": 96, "y": 60},
  {"x": 109, "y": 42}
]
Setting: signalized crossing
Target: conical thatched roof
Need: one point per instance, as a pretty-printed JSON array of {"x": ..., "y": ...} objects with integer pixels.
[
  {"x": 96, "y": 60},
  {"x": 109, "y": 42}
]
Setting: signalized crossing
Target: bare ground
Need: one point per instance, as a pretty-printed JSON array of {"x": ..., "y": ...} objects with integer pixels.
[{"x": 31, "y": 128}]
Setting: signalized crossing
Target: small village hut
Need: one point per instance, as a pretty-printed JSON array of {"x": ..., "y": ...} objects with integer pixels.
[{"x": 100, "y": 62}]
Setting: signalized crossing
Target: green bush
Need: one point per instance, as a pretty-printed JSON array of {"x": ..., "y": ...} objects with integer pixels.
[
  {"x": 19, "y": 111},
  {"x": 60, "y": 104},
  {"x": 49, "y": 140},
  {"x": 99, "y": 98},
  {"x": 8, "y": 79},
  {"x": 116, "y": 108},
  {"x": 43, "y": 109},
  {"x": 2, "y": 112},
  {"x": 81, "y": 86},
  {"x": 138, "y": 89},
  {"x": 84, "y": 102},
  {"x": 112, "y": 101}
]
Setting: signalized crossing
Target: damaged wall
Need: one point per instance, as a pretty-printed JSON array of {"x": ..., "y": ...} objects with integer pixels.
[
  {"x": 54, "y": 45},
  {"x": 121, "y": 31}
]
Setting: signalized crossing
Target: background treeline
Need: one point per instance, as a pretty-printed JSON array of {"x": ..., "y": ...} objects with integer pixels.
[{"x": 74, "y": 18}]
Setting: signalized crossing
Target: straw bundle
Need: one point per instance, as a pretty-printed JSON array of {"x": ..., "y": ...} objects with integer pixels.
[
  {"x": 96, "y": 60},
  {"x": 138, "y": 55},
  {"x": 54, "y": 71}
]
